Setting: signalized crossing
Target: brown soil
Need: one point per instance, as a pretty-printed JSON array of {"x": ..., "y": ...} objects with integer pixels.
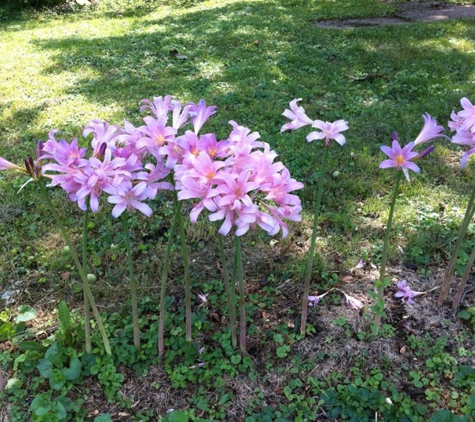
[{"x": 407, "y": 13}]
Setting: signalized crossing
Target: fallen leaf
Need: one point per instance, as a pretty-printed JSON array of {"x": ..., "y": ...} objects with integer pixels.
[
  {"x": 347, "y": 279},
  {"x": 266, "y": 316}
]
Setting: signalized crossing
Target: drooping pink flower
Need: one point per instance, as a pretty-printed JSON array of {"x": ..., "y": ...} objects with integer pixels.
[
  {"x": 430, "y": 130},
  {"x": 353, "y": 302},
  {"x": 400, "y": 157},
  {"x": 406, "y": 293},
  {"x": 314, "y": 300},
  {"x": 328, "y": 131},
  {"x": 203, "y": 297},
  {"x": 297, "y": 116}
]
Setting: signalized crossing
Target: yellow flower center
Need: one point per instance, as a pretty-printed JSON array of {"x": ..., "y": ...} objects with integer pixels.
[{"x": 399, "y": 160}]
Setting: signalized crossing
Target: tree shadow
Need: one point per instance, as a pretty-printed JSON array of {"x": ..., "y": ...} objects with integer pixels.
[{"x": 251, "y": 59}]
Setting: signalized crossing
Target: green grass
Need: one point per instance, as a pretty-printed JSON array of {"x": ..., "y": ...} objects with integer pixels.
[{"x": 249, "y": 58}]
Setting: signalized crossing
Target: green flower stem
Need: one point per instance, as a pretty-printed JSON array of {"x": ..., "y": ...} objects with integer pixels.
[
  {"x": 230, "y": 294},
  {"x": 87, "y": 305},
  {"x": 80, "y": 269},
  {"x": 186, "y": 266},
  {"x": 163, "y": 286},
  {"x": 384, "y": 259},
  {"x": 242, "y": 302},
  {"x": 463, "y": 281},
  {"x": 133, "y": 281},
  {"x": 449, "y": 273},
  {"x": 311, "y": 253}
]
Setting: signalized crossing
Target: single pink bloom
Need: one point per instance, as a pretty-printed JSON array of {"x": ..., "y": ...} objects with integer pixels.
[
  {"x": 160, "y": 106},
  {"x": 103, "y": 133},
  {"x": 153, "y": 178},
  {"x": 155, "y": 134},
  {"x": 467, "y": 114},
  {"x": 297, "y": 116},
  {"x": 129, "y": 198},
  {"x": 99, "y": 176},
  {"x": 203, "y": 297},
  {"x": 429, "y": 131},
  {"x": 353, "y": 302},
  {"x": 400, "y": 157},
  {"x": 328, "y": 131},
  {"x": 180, "y": 115},
  {"x": 406, "y": 293},
  {"x": 200, "y": 113},
  {"x": 314, "y": 300}
]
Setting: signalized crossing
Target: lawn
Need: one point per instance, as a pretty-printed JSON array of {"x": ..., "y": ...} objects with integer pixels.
[{"x": 64, "y": 67}]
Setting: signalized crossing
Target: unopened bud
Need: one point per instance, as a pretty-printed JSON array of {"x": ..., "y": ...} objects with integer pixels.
[
  {"x": 101, "y": 150},
  {"x": 427, "y": 151}
]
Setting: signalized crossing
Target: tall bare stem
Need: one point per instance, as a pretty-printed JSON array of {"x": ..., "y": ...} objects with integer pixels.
[
  {"x": 230, "y": 293},
  {"x": 132, "y": 281},
  {"x": 82, "y": 274},
  {"x": 87, "y": 305},
  {"x": 449, "y": 272},
  {"x": 311, "y": 253},
  {"x": 382, "y": 269},
  {"x": 163, "y": 286}
]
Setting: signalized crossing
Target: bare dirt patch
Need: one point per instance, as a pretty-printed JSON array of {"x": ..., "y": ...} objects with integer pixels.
[{"x": 407, "y": 13}]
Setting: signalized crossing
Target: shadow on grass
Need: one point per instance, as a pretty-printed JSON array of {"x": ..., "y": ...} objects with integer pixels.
[
  {"x": 22, "y": 121},
  {"x": 251, "y": 59}
]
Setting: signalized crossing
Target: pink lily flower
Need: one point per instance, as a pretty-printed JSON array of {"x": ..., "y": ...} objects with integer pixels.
[
  {"x": 400, "y": 157},
  {"x": 352, "y": 301},
  {"x": 297, "y": 116},
  {"x": 7, "y": 165},
  {"x": 406, "y": 293},
  {"x": 467, "y": 114},
  {"x": 103, "y": 133},
  {"x": 329, "y": 131},
  {"x": 463, "y": 123},
  {"x": 155, "y": 135},
  {"x": 200, "y": 113},
  {"x": 314, "y": 300},
  {"x": 429, "y": 131},
  {"x": 129, "y": 198},
  {"x": 160, "y": 106}
]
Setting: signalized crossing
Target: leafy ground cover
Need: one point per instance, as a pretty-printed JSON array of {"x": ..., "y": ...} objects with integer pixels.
[{"x": 61, "y": 68}]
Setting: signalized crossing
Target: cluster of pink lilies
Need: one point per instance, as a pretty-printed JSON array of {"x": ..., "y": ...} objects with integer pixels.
[{"x": 237, "y": 180}]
